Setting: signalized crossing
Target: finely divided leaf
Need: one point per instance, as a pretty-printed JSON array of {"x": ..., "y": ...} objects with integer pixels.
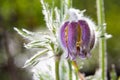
[{"x": 34, "y": 60}]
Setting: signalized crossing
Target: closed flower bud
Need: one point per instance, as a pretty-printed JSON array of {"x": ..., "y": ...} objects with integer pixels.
[{"x": 77, "y": 35}]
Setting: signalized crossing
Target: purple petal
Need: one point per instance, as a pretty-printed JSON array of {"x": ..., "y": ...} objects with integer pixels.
[
  {"x": 85, "y": 32},
  {"x": 62, "y": 34},
  {"x": 87, "y": 39},
  {"x": 68, "y": 43},
  {"x": 72, "y": 35},
  {"x": 92, "y": 43}
]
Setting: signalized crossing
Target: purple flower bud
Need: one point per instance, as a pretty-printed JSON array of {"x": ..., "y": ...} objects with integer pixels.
[{"x": 77, "y": 37}]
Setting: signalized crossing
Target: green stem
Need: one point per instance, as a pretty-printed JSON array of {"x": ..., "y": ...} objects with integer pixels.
[
  {"x": 77, "y": 72},
  {"x": 102, "y": 40},
  {"x": 65, "y": 5},
  {"x": 76, "y": 75},
  {"x": 57, "y": 61},
  {"x": 70, "y": 70},
  {"x": 62, "y": 10}
]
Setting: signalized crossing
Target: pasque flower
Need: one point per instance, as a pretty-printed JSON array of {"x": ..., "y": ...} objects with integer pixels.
[{"x": 77, "y": 35}]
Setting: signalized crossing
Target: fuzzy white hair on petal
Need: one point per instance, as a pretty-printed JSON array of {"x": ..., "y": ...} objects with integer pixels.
[{"x": 75, "y": 14}]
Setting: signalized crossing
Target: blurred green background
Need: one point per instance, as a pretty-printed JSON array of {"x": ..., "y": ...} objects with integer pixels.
[{"x": 28, "y": 14}]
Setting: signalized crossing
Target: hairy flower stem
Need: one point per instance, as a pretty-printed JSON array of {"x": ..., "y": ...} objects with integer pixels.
[
  {"x": 70, "y": 70},
  {"x": 102, "y": 40},
  {"x": 57, "y": 61},
  {"x": 80, "y": 75},
  {"x": 62, "y": 10},
  {"x": 65, "y": 5}
]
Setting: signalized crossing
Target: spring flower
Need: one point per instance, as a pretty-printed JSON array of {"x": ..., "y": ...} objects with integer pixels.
[{"x": 77, "y": 35}]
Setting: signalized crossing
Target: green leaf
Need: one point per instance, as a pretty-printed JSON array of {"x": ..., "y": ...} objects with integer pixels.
[
  {"x": 34, "y": 60},
  {"x": 37, "y": 44},
  {"x": 33, "y": 36},
  {"x": 24, "y": 33}
]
